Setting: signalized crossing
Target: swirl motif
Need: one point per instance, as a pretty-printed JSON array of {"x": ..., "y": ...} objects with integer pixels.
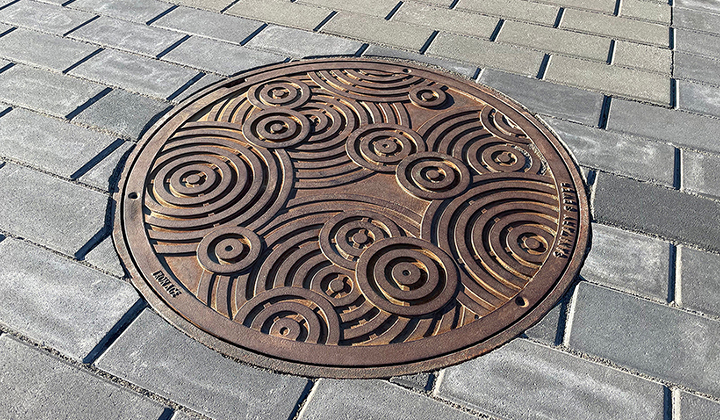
[
  {"x": 284, "y": 92},
  {"x": 229, "y": 250},
  {"x": 380, "y": 147},
  {"x": 368, "y": 85},
  {"x": 407, "y": 276},
  {"x": 428, "y": 96},
  {"x": 276, "y": 127},
  {"x": 432, "y": 175}
]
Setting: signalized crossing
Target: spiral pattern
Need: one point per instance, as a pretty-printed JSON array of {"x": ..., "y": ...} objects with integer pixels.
[
  {"x": 428, "y": 96},
  {"x": 276, "y": 127},
  {"x": 432, "y": 175},
  {"x": 284, "y": 92},
  {"x": 368, "y": 85},
  {"x": 380, "y": 147},
  {"x": 229, "y": 250},
  {"x": 407, "y": 276}
]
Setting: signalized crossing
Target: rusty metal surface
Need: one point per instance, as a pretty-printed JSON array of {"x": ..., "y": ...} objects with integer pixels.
[{"x": 351, "y": 218}]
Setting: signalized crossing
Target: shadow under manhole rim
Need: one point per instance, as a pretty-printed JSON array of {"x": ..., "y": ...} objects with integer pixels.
[{"x": 351, "y": 218}]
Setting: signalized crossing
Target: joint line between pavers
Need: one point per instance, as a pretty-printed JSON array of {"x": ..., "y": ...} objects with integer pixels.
[
  {"x": 429, "y": 41},
  {"x": 167, "y": 414},
  {"x": 611, "y": 52},
  {"x": 543, "y": 66},
  {"x": 672, "y": 274},
  {"x": 324, "y": 21},
  {"x": 677, "y": 170},
  {"x": 2, "y": 34},
  {"x": 667, "y": 403},
  {"x": 604, "y": 112},
  {"x": 453, "y": 4},
  {"x": 11, "y": 3},
  {"x": 67, "y": 2},
  {"x": 678, "y": 275},
  {"x": 618, "y": 6},
  {"x": 676, "y": 408},
  {"x": 497, "y": 29},
  {"x": 81, "y": 25},
  {"x": 570, "y": 314},
  {"x": 393, "y": 11},
  {"x": 304, "y": 400},
  {"x": 83, "y": 60},
  {"x": 116, "y": 331},
  {"x": 173, "y": 46},
  {"x": 253, "y": 34},
  {"x": 87, "y": 103},
  {"x": 97, "y": 159},
  {"x": 158, "y": 17},
  {"x": 558, "y": 18},
  {"x": 186, "y": 86}
]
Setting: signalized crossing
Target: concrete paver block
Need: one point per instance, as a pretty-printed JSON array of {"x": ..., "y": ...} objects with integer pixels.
[
  {"x": 379, "y": 8},
  {"x": 295, "y": 15},
  {"x": 657, "y": 210},
  {"x": 44, "y": 17},
  {"x": 58, "y": 302},
  {"x": 134, "y": 73},
  {"x": 700, "y": 173},
  {"x": 616, "y": 27},
  {"x": 219, "y": 57},
  {"x": 514, "y": 9},
  {"x": 212, "y": 25},
  {"x": 419, "y": 381},
  {"x": 335, "y": 399},
  {"x": 698, "y": 97},
  {"x": 651, "y": 338},
  {"x": 606, "y": 6},
  {"x": 640, "y": 264},
  {"x": 127, "y": 36},
  {"x": 706, "y": 5},
  {"x": 154, "y": 355},
  {"x": 37, "y": 385},
  {"x": 296, "y": 43},
  {"x": 205, "y": 81},
  {"x": 214, "y": 5},
  {"x": 43, "y": 50},
  {"x": 375, "y": 29},
  {"x": 54, "y": 213},
  {"x": 555, "y": 40},
  {"x": 646, "y": 57},
  {"x": 45, "y": 91},
  {"x": 453, "y": 66},
  {"x": 693, "y": 407},
  {"x": 547, "y": 328},
  {"x": 618, "y": 153},
  {"x": 104, "y": 257},
  {"x": 139, "y": 11},
  {"x": 101, "y": 175},
  {"x": 643, "y": 9},
  {"x": 696, "y": 20},
  {"x": 547, "y": 98},
  {"x": 444, "y": 19},
  {"x": 690, "y": 66},
  {"x": 697, "y": 43},
  {"x": 47, "y": 143},
  {"x": 524, "y": 380},
  {"x": 699, "y": 280}
]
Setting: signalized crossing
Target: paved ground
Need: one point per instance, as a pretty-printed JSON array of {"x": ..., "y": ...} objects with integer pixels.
[{"x": 632, "y": 86}]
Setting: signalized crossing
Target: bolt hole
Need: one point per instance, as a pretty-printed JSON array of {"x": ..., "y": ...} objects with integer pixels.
[
  {"x": 406, "y": 70},
  {"x": 133, "y": 196},
  {"x": 521, "y": 301},
  {"x": 406, "y": 272}
]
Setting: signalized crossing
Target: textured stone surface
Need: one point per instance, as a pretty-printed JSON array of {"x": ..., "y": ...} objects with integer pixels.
[
  {"x": 699, "y": 281},
  {"x": 104, "y": 257},
  {"x": 618, "y": 153},
  {"x": 205, "y": 81},
  {"x": 698, "y": 43},
  {"x": 555, "y": 40},
  {"x": 616, "y": 27},
  {"x": 517, "y": 9},
  {"x": 447, "y": 65},
  {"x": 127, "y": 36},
  {"x": 125, "y": 113},
  {"x": 690, "y": 66},
  {"x": 651, "y": 338},
  {"x": 297, "y": 43},
  {"x": 214, "y": 5},
  {"x": 693, "y": 407},
  {"x": 547, "y": 328},
  {"x": 295, "y": 15},
  {"x": 700, "y": 172},
  {"x": 58, "y": 302},
  {"x": 45, "y": 91},
  {"x": 212, "y": 25},
  {"x": 484, "y": 53},
  {"x": 379, "y": 8},
  {"x": 707, "y": 5},
  {"x": 664, "y": 124},
  {"x": 642, "y": 9},
  {"x": 54, "y": 213},
  {"x": 372, "y": 399},
  {"x": 607, "y": 6},
  {"x": 696, "y": 20},
  {"x": 444, "y": 19},
  {"x": 103, "y": 175},
  {"x": 137, "y": 74},
  {"x": 43, "y": 50},
  {"x": 668, "y": 213},
  {"x": 419, "y": 381},
  {"x": 646, "y": 57},
  {"x": 47, "y": 143},
  {"x": 523, "y": 380},
  {"x": 611, "y": 79},
  {"x": 547, "y": 98},
  {"x": 154, "y": 355},
  {"x": 44, "y": 17},
  {"x": 36, "y": 385},
  {"x": 374, "y": 29},
  {"x": 698, "y": 97},
  {"x": 218, "y": 56},
  {"x": 133, "y": 10},
  {"x": 640, "y": 264}
]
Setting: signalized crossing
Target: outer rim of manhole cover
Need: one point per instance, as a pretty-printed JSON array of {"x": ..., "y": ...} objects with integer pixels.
[{"x": 159, "y": 284}]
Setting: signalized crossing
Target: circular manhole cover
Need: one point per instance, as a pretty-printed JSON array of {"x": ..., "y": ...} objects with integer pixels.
[{"x": 351, "y": 218}]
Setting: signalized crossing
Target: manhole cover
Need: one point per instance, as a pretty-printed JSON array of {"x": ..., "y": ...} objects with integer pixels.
[{"x": 351, "y": 218}]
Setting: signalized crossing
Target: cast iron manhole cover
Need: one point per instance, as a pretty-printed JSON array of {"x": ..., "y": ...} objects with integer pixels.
[{"x": 351, "y": 218}]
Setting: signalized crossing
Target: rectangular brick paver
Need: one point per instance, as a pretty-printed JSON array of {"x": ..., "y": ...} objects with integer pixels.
[
  {"x": 652, "y": 338},
  {"x": 646, "y": 10},
  {"x": 698, "y": 43},
  {"x": 375, "y": 29},
  {"x": 646, "y": 57},
  {"x": 43, "y": 50},
  {"x": 214, "y": 5},
  {"x": 515, "y": 9},
  {"x": 43, "y": 16},
  {"x": 212, "y": 25},
  {"x": 379, "y": 8},
  {"x": 58, "y": 302},
  {"x": 463, "y": 69},
  {"x": 616, "y": 27},
  {"x": 133, "y": 10},
  {"x": 197, "y": 376},
  {"x": 700, "y": 172},
  {"x": 524, "y": 380},
  {"x": 291, "y": 42},
  {"x": 693, "y": 407},
  {"x": 696, "y": 20},
  {"x": 37, "y": 385},
  {"x": 698, "y": 280},
  {"x": 707, "y": 5},
  {"x": 295, "y": 15},
  {"x": 555, "y": 40},
  {"x": 444, "y": 19},
  {"x": 607, "y": 6},
  {"x": 104, "y": 174},
  {"x": 105, "y": 257},
  {"x": 690, "y": 66}
]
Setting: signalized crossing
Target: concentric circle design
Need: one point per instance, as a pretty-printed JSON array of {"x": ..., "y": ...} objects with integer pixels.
[{"x": 351, "y": 218}]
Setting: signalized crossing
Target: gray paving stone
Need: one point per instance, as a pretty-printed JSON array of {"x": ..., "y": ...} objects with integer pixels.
[
  {"x": 43, "y": 50},
  {"x": 43, "y": 17},
  {"x": 651, "y": 338},
  {"x": 642, "y": 9},
  {"x": 47, "y": 143},
  {"x": 45, "y": 91},
  {"x": 105, "y": 174},
  {"x": 376, "y": 29},
  {"x": 664, "y": 124},
  {"x": 696, "y": 20},
  {"x": 199, "y": 85},
  {"x": 697, "y": 43},
  {"x": 607, "y": 6},
  {"x": 523, "y": 380},
  {"x": 547, "y": 98},
  {"x": 419, "y": 381},
  {"x": 127, "y": 36},
  {"x": 379, "y": 8},
  {"x": 65, "y": 305},
  {"x": 36, "y": 385},
  {"x": 693, "y": 407},
  {"x": 690, "y": 66},
  {"x": 212, "y": 25},
  {"x": 700, "y": 172},
  {"x": 3, "y": 27},
  {"x": 547, "y": 328},
  {"x": 646, "y": 57},
  {"x": 54, "y": 213},
  {"x": 214, "y": 5},
  {"x": 444, "y": 19},
  {"x": 125, "y": 113},
  {"x": 132, "y": 10},
  {"x": 219, "y": 57},
  {"x": 515, "y": 9},
  {"x": 197, "y": 377},
  {"x": 643, "y": 85},
  {"x": 555, "y": 40},
  {"x": 333, "y": 399},
  {"x": 486, "y": 54},
  {"x": 699, "y": 280},
  {"x": 708, "y": 5},
  {"x": 281, "y": 12},
  {"x": 657, "y": 210},
  {"x": 296, "y": 43},
  {"x": 616, "y": 27},
  {"x": 137, "y": 74},
  {"x": 453, "y": 66},
  {"x": 618, "y": 153},
  {"x": 628, "y": 261},
  {"x": 105, "y": 257}
]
